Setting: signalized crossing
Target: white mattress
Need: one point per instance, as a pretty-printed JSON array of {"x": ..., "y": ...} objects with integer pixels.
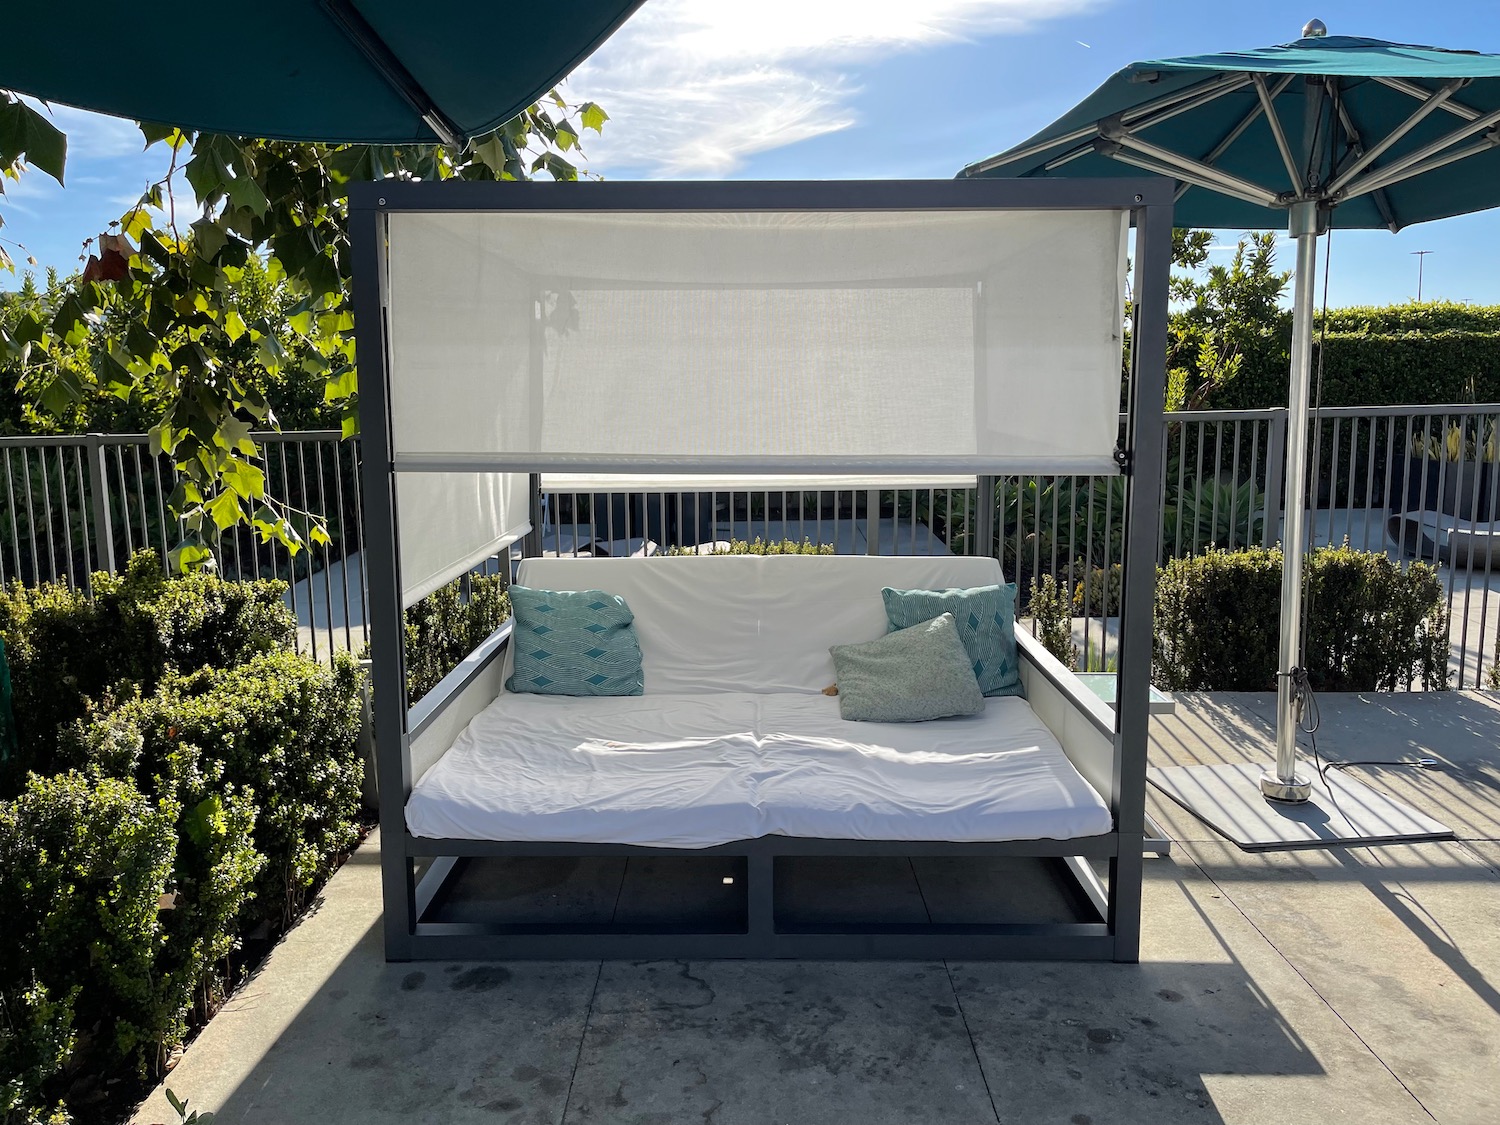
[{"x": 739, "y": 765}]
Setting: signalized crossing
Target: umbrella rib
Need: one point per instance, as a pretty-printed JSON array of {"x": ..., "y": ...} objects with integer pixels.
[
  {"x": 1133, "y": 120},
  {"x": 1411, "y": 172},
  {"x": 1433, "y": 102},
  {"x": 1250, "y": 193},
  {"x": 353, "y": 24},
  {"x": 1189, "y": 169},
  {"x": 1382, "y": 201},
  {"x": 1277, "y": 131},
  {"x": 1221, "y": 83},
  {"x": 1234, "y": 134},
  {"x": 1392, "y": 173},
  {"x": 1411, "y": 89}
]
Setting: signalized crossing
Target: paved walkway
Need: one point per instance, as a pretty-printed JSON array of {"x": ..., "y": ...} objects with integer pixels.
[{"x": 1358, "y": 984}]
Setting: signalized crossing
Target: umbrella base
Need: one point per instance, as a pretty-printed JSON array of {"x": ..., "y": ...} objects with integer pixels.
[
  {"x": 1273, "y": 787},
  {"x": 1341, "y": 810}
]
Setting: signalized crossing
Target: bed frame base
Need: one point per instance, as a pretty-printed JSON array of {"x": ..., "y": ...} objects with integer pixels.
[{"x": 760, "y": 938}]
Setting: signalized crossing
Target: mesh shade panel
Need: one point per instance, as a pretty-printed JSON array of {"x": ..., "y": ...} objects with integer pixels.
[
  {"x": 451, "y": 522},
  {"x": 815, "y": 342}
]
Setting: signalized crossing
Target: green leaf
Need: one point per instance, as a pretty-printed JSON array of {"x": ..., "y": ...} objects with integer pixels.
[
  {"x": 245, "y": 192},
  {"x": 61, "y": 392},
  {"x": 25, "y": 131},
  {"x": 244, "y": 479},
  {"x": 341, "y": 386},
  {"x": 234, "y": 325},
  {"x": 209, "y": 238},
  {"x": 592, "y": 116},
  {"x": 153, "y": 131},
  {"x": 204, "y": 824},
  {"x": 189, "y": 555},
  {"x": 225, "y": 510}
]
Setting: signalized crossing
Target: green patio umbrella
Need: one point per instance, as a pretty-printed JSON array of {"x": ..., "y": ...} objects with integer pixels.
[
  {"x": 1326, "y": 131},
  {"x": 362, "y": 71}
]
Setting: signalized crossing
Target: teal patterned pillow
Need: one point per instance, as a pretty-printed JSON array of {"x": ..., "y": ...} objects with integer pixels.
[
  {"x": 986, "y": 619},
  {"x": 573, "y": 642}
]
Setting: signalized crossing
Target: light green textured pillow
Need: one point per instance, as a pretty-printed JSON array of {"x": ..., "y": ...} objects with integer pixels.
[
  {"x": 573, "y": 642},
  {"x": 908, "y": 676}
]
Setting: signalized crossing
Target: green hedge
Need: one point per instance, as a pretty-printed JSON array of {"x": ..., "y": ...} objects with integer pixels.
[
  {"x": 278, "y": 732},
  {"x": 446, "y": 626},
  {"x": 194, "y": 755},
  {"x": 85, "y": 863},
  {"x": 1371, "y": 625},
  {"x": 1363, "y": 366},
  {"x": 67, "y": 650}
]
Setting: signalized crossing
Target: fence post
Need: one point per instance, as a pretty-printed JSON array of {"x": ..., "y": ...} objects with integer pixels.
[
  {"x": 1275, "y": 475},
  {"x": 104, "y": 536},
  {"x": 532, "y": 544},
  {"x": 984, "y": 517}
]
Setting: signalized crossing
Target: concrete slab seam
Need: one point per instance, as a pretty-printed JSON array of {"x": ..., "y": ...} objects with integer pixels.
[
  {"x": 588, "y": 1014},
  {"x": 973, "y": 1046},
  {"x": 1227, "y": 897}
]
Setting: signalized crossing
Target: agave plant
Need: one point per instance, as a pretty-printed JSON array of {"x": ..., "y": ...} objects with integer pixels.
[{"x": 1213, "y": 513}]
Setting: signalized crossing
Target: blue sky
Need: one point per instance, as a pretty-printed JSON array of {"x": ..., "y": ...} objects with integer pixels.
[{"x": 830, "y": 89}]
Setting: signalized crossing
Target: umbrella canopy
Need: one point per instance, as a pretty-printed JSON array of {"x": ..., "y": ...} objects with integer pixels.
[
  {"x": 1393, "y": 135},
  {"x": 359, "y": 71},
  {"x": 1326, "y": 131}
]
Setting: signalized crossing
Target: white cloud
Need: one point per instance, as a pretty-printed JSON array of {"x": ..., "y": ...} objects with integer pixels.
[{"x": 694, "y": 87}]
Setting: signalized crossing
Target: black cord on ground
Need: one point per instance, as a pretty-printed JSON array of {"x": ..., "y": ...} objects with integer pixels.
[{"x": 1309, "y": 718}]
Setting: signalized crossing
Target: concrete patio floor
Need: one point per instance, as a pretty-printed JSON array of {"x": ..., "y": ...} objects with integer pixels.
[{"x": 1354, "y": 984}]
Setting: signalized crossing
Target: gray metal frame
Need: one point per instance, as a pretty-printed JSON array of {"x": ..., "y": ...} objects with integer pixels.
[{"x": 1116, "y": 932}]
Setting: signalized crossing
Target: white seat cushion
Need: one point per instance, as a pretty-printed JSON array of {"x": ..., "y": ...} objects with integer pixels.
[{"x": 693, "y": 771}]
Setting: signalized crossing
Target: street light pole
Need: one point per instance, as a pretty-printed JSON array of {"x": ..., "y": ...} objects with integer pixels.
[{"x": 1421, "y": 256}]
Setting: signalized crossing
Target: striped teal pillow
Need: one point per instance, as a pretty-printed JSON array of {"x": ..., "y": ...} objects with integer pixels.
[
  {"x": 573, "y": 642},
  {"x": 986, "y": 619}
]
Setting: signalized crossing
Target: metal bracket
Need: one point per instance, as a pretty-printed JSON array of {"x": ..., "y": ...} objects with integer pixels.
[{"x": 1125, "y": 459}]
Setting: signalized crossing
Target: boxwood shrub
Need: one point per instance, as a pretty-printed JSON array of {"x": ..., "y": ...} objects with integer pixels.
[
  {"x": 171, "y": 745},
  {"x": 1372, "y": 626},
  {"x": 67, "y": 650},
  {"x": 277, "y": 732},
  {"x": 86, "y": 862}
]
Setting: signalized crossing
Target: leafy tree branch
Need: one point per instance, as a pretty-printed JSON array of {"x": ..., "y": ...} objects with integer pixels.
[{"x": 160, "y": 316}]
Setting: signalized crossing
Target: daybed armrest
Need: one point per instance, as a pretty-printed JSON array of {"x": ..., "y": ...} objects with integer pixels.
[
  {"x": 441, "y": 715},
  {"x": 1083, "y": 723}
]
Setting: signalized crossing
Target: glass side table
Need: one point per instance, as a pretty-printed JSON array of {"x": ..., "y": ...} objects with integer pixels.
[{"x": 1103, "y": 685}]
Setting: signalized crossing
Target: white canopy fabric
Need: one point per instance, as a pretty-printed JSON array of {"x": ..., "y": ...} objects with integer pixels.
[
  {"x": 864, "y": 343},
  {"x": 451, "y": 522}
]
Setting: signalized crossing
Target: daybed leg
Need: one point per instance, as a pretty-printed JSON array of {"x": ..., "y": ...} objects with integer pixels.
[
  {"x": 760, "y": 887},
  {"x": 1125, "y": 873},
  {"x": 398, "y": 875}
]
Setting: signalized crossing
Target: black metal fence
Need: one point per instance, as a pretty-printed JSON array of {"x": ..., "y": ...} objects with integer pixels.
[{"x": 1417, "y": 482}]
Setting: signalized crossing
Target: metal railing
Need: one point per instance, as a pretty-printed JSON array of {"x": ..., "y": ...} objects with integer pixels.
[
  {"x": 71, "y": 505},
  {"x": 1420, "y": 482}
]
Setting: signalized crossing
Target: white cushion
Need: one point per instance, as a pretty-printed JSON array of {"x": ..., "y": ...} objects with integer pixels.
[
  {"x": 694, "y": 771},
  {"x": 751, "y": 623}
]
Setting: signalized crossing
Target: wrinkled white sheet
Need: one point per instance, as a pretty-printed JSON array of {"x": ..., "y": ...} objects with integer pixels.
[{"x": 740, "y": 765}]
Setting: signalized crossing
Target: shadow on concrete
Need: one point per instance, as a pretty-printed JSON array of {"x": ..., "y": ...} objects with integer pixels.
[{"x": 362, "y": 1040}]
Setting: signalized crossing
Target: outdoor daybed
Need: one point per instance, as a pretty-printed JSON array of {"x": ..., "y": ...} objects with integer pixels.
[{"x": 865, "y": 329}]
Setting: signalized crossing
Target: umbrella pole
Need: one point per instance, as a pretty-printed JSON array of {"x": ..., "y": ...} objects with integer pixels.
[{"x": 1284, "y": 783}]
